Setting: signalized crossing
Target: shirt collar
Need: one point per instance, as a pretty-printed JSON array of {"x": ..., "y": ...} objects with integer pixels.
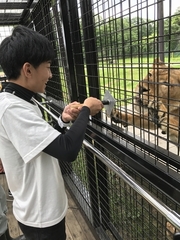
[{"x": 19, "y": 91}]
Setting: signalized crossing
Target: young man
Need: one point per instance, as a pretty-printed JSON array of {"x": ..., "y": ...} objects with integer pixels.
[{"x": 30, "y": 147}]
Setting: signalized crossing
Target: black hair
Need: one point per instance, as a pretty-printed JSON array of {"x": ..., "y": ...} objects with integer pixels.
[{"x": 24, "y": 45}]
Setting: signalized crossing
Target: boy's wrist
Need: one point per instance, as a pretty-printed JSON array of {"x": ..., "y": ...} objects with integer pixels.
[{"x": 62, "y": 124}]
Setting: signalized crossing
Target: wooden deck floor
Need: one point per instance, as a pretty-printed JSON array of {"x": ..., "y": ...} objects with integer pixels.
[{"x": 76, "y": 224}]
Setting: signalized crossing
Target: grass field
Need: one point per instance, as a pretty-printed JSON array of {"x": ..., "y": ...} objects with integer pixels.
[{"x": 121, "y": 77}]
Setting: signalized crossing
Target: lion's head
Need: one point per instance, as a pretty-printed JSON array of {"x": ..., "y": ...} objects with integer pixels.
[
  {"x": 162, "y": 83},
  {"x": 157, "y": 102}
]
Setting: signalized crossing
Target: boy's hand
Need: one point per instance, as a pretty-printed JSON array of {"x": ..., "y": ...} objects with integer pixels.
[
  {"x": 95, "y": 105},
  {"x": 71, "y": 111}
]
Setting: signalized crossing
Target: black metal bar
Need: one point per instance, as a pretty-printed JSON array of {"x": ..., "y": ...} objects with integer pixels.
[
  {"x": 160, "y": 17},
  {"x": 93, "y": 188},
  {"x": 176, "y": 236},
  {"x": 90, "y": 49},
  {"x": 26, "y": 10},
  {"x": 105, "y": 102},
  {"x": 9, "y": 22},
  {"x": 55, "y": 83},
  {"x": 60, "y": 46},
  {"x": 9, "y": 16},
  {"x": 77, "y": 50},
  {"x": 72, "y": 83},
  {"x": 102, "y": 177},
  {"x": 41, "y": 16},
  {"x": 92, "y": 72},
  {"x": 15, "y": 5}
]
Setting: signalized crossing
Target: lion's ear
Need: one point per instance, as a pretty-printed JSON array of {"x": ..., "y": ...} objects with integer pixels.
[{"x": 158, "y": 63}]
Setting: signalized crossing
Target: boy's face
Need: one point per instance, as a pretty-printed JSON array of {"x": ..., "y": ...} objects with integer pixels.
[{"x": 40, "y": 77}]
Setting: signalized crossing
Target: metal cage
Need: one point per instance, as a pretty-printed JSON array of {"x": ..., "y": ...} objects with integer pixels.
[{"x": 130, "y": 48}]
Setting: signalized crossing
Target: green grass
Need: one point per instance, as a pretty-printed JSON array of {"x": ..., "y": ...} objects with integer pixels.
[{"x": 121, "y": 77}]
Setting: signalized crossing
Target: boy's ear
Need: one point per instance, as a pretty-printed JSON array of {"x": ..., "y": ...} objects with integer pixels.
[{"x": 27, "y": 69}]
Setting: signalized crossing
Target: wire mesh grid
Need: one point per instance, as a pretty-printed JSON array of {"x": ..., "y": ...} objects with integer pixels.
[
  {"x": 109, "y": 201},
  {"x": 130, "y": 48}
]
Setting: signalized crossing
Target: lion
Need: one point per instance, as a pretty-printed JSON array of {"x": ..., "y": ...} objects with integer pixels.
[{"x": 156, "y": 103}]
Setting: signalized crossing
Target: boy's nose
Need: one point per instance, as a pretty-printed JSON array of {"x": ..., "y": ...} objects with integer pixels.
[{"x": 50, "y": 75}]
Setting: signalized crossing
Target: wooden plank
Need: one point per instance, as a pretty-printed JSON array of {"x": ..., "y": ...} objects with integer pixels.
[
  {"x": 74, "y": 226},
  {"x": 1, "y": 179},
  {"x": 68, "y": 234},
  {"x": 12, "y": 223},
  {"x": 87, "y": 231}
]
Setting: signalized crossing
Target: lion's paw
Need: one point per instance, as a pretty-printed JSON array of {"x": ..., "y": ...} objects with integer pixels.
[{"x": 118, "y": 117}]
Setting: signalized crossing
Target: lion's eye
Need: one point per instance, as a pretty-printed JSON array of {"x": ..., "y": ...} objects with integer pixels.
[{"x": 150, "y": 74}]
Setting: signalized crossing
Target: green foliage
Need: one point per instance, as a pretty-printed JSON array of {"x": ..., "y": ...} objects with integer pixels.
[
  {"x": 172, "y": 33},
  {"x": 124, "y": 37}
]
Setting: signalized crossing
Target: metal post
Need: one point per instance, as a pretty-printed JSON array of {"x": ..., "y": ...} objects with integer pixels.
[
  {"x": 71, "y": 83},
  {"x": 160, "y": 18},
  {"x": 77, "y": 46}
]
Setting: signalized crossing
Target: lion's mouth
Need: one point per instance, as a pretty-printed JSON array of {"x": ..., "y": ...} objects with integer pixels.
[{"x": 142, "y": 106}]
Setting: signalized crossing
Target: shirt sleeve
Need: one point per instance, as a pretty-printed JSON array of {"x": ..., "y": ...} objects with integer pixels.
[
  {"x": 28, "y": 132},
  {"x": 66, "y": 146}
]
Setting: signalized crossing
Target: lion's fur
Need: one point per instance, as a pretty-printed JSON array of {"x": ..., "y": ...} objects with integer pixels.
[{"x": 156, "y": 101}]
